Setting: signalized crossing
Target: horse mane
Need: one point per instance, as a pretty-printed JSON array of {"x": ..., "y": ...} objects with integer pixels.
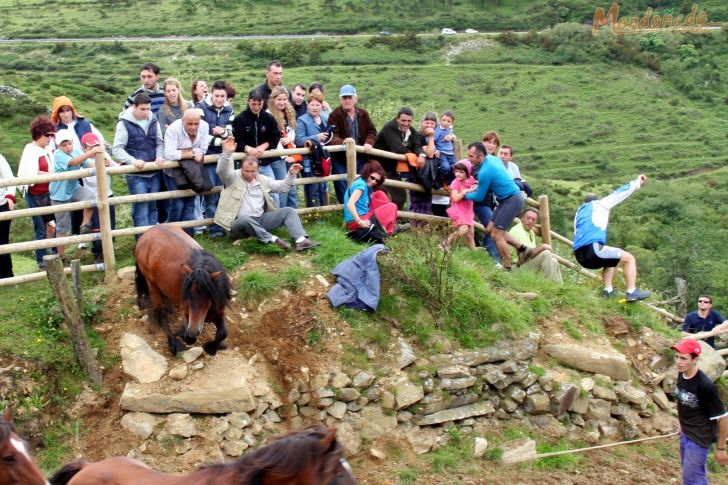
[
  {"x": 218, "y": 291},
  {"x": 287, "y": 456}
]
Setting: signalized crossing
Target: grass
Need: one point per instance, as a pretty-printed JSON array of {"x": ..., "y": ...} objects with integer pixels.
[{"x": 255, "y": 285}]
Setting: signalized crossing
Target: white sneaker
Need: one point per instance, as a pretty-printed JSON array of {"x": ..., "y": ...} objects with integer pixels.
[{"x": 83, "y": 246}]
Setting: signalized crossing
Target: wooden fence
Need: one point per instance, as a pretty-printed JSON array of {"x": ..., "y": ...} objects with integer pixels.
[{"x": 106, "y": 234}]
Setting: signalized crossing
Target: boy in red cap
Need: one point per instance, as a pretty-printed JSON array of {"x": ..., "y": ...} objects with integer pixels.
[{"x": 699, "y": 410}]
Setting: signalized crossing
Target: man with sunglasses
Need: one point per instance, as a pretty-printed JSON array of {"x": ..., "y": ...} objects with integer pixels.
[{"x": 705, "y": 319}]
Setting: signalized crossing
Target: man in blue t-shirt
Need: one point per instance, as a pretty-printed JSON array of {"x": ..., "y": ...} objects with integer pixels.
[
  {"x": 705, "y": 319},
  {"x": 700, "y": 412}
]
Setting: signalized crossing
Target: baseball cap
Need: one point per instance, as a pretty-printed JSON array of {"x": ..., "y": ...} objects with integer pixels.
[
  {"x": 63, "y": 135},
  {"x": 90, "y": 139},
  {"x": 688, "y": 346},
  {"x": 347, "y": 90}
]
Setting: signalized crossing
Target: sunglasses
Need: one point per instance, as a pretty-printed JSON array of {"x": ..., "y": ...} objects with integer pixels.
[
  {"x": 375, "y": 179},
  {"x": 50, "y": 135},
  {"x": 704, "y": 301}
]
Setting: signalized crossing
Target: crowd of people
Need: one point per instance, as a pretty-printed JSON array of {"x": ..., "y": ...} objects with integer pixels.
[{"x": 157, "y": 123}]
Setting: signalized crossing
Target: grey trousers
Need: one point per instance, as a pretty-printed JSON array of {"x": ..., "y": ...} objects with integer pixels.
[{"x": 259, "y": 226}]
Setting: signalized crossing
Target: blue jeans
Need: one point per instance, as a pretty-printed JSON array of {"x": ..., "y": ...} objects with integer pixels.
[
  {"x": 39, "y": 225},
  {"x": 484, "y": 214},
  {"x": 182, "y": 209},
  {"x": 143, "y": 213},
  {"x": 316, "y": 194},
  {"x": 694, "y": 459},
  {"x": 96, "y": 248},
  {"x": 209, "y": 203},
  {"x": 291, "y": 198}
]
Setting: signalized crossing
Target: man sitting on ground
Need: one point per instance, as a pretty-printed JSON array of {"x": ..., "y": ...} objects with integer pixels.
[
  {"x": 542, "y": 257},
  {"x": 246, "y": 207},
  {"x": 590, "y": 239}
]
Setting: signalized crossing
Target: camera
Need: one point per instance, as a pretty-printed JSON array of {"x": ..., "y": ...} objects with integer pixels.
[
  {"x": 330, "y": 129},
  {"x": 227, "y": 134}
]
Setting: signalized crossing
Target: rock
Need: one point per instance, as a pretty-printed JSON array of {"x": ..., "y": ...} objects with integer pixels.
[
  {"x": 387, "y": 400},
  {"x": 141, "y": 424},
  {"x": 179, "y": 424},
  {"x": 404, "y": 417},
  {"x": 178, "y": 372},
  {"x": 324, "y": 402},
  {"x": 235, "y": 447},
  {"x": 660, "y": 398},
  {"x": 710, "y": 361},
  {"x": 406, "y": 393},
  {"x": 340, "y": 380},
  {"x": 294, "y": 395},
  {"x": 580, "y": 405},
  {"x": 608, "y": 430},
  {"x": 348, "y": 394},
  {"x": 599, "y": 410},
  {"x": 604, "y": 393},
  {"x": 440, "y": 343},
  {"x": 563, "y": 398},
  {"x": 459, "y": 383},
  {"x": 192, "y": 354},
  {"x": 349, "y": 438},
  {"x": 548, "y": 425},
  {"x": 374, "y": 393},
  {"x": 508, "y": 367},
  {"x": 545, "y": 379},
  {"x": 439, "y": 403},
  {"x": 519, "y": 349},
  {"x": 233, "y": 434},
  {"x": 529, "y": 380},
  {"x": 323, "y": 392},
  {"x": 362, "y": 379},
  {"x": 406, "y": 354},
  {"x": 375, "y": 453},
  {"x": 319, "y": 380},
  {"x": 629, "y": 394},
  {"x": 377, "y": 423},
  {"x": 470, "y": 410},
  {"x": 307, "y": 411},
  {"x": 272, "y": 416},
  {"x": 481, "y": 445},
  {"x": 140, "y": 361},
  {"x": 508, "y": 405},
  {"x": 537, "y": 403},
  {"x": 664, "y": 423},
  {"x": 453, "y": 371},
  {"x": 518, "y": 451},
  {"x": 337, "y": 409},
  {"x": 587, "y": 384},
  {"x": 219, "y": 425},
  {"x": 527, "y": 295},
  {"x": 618, "y": 409},
  {"x": 494, "y": 376},
  {"x": 197, "y": 366},
  {"x": 577, "y": 420},
  {"x": 422, "y": 440},
  {"x": 612, "y": 364},
  {"x": 515, "y": 393},
  {"x": 202, "y": 401},
  {"x": 428, "y": 385}
]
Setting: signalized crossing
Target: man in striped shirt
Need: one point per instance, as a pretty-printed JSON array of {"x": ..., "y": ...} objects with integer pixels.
[{"x": 149, "y": 76}]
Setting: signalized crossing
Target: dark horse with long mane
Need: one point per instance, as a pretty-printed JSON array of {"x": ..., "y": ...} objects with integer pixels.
[
  {"x": 309, "y": 457},
  {"x": 16, "y": 466},
  {"x": 172, "y": 270}
]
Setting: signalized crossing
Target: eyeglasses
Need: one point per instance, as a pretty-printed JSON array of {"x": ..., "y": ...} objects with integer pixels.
[
  {"x": 50, "y": 135},
  {"x": 375, "y": 179},
  {"x": 704, "y": 301}
]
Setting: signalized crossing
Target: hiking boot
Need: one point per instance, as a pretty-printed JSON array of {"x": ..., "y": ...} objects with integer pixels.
[
  {"x": 609, "y": 294},
  {"x": 401, "y": 228},
  {"x": 306, "y": 244},
  {"x": 524, "y": 255},
  {"x": 282, "y": 244},
  {"x": 85, "y": 229},
  {"x": 638, "y": 295}
]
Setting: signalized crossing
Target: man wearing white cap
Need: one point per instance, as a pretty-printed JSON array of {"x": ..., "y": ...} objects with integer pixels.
[
  {"x": 700, "y": 412},
  {"x": 349, "y": 121}
]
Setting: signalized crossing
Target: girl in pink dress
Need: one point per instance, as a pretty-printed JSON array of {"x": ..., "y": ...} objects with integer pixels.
[{"x": 461, "y": 209}]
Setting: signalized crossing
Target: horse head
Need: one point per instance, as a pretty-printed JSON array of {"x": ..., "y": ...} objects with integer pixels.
[
  {"x": 198, "y": 295},
  {"x": 16, "y": 467}
]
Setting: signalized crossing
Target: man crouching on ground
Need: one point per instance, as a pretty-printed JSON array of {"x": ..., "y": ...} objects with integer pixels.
[
  {"x": 700, "y": 412},
  {"x": 246, "y": 207}
]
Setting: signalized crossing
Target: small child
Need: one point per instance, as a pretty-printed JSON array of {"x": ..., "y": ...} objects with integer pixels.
[
  {"x": 444, "y": 137},
  {"x": 461, "y": 211}
]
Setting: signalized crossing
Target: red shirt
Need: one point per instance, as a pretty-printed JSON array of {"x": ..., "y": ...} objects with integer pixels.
[{"x": 40, "y": 189}]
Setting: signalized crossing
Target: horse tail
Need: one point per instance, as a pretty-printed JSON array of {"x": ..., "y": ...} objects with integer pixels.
[
  {"x": 66, "y": 473},
  {"x": 142, "y": 288}
]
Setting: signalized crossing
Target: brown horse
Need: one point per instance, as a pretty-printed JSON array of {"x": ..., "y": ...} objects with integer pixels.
[
  {"x": 309, "y": 457},
  {"x": 174, "y": 271},
  {"x": 16, "y": 467}
]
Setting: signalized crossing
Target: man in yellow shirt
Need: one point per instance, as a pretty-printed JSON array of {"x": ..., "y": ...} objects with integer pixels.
[{"x": 542, "y": 258}]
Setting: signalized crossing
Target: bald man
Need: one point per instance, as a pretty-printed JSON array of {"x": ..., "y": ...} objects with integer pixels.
[{"x": 185, "y": 139}]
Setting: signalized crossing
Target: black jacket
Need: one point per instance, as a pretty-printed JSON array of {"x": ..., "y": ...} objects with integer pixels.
[{"x": 253, "y": 130}]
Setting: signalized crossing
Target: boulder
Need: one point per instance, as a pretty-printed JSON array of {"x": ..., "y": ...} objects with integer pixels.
[
  {"x": 362, "y": 379},
  {"x": 348, "y": 394},
  {"x": 376, "y": 423},
  {"x": 346, "y": 435},
  {"x": 180, "y": 425},
  {"x": 468, "y": 411},
  {"x": 612, "y": 364},
  {"x": 599, "y": 410},
  {"x": 406, "y": 354},
  {"x": 710, "y": 361},
  {"x": 457, "y": 383},
  {"x": 141, "y": 424},
  {"x": 192, "y": 354},
  {"x": 202, "y": 401},
  {"x": 604, "y": 393},
  {"x": 563, "y": 398},
  {"x": 439, "y": 403},
  {"x": 518, "y": 451},
  {"x": 140, "y": 361},
  {"x": 340, "y": 380},
  {"x": 519, "y": 349},
  {"x": 337, "y": 409},
  {"x": 538, "y": 403},
  {"x": 422, "y": 440},
  {"x": 178, "y": 372},
  {"x": 453, "y": 371},
  {"x": 630, "y": 394},
  {"x": 481, "y": 445},
  {"x": 660, "y": 398},
  {"x": 406, "y": 393}
]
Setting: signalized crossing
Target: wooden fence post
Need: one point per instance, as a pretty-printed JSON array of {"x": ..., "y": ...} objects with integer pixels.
[
  {"x": 76, "y": 281},
  {"x": 543, "y": 207},
  {"x": 72, "y": 317},
  {"x": 350, "y": 160},
  {"x": 458, "y": 146},
  {"x": 107, "y": 242}
]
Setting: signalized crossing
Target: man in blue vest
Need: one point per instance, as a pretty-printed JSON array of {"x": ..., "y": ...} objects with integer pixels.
[
  {"x": 138, "y": 141},
  {"x": 590, "y": 239}
]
